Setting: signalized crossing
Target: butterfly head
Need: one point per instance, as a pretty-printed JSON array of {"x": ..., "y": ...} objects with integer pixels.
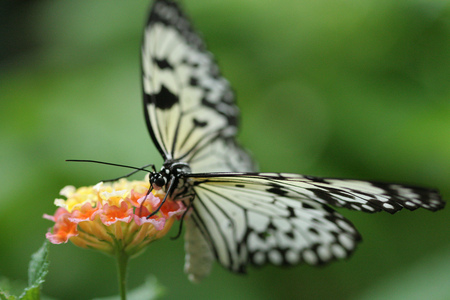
[
  {"x": 157, "y": 180},
  {"x": 170, "y": 170}
]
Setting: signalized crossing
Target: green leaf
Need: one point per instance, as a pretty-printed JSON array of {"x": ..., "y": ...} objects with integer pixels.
[
  {"x": 37, "y": 270},
  {"x": 6, "y": 289},
  {"x": 31, "y": 293},
  {"x": 38, "y": 267},
  {"x": 6, "y": 297},
  {"x": 10, "y": 288}
]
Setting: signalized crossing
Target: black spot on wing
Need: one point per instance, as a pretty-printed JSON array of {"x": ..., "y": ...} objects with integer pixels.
[
  {"x": 193, "y": 81},
  {"x": 291, "y": 212},
  {"x": 263, "y": 235},
  {"x": 165, "y": 99},
  {"x": 308, "y": 206},
  {"x": 315, "y": 179},
  {"x": 271, "y": 226},
  {"x": 163, "y": 64},
  {"x": 230, "y": 113},
  {"x": 278, "y": 191},
  {"x": 314, "y": 231},
  {"x": 198, "y": 123},
  {"x": 233, "y": 120},
  {"x": 290, "y": 235},
  {"x": 325, "y": 195}
]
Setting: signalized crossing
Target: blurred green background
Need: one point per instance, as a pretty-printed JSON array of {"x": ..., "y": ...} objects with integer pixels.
[{"x": 357, "y": 89}]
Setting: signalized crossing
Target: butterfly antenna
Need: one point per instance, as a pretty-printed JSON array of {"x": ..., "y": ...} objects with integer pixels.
[
  {"x": 136, "y": 169},
  {"x": 133, "y": 172}
]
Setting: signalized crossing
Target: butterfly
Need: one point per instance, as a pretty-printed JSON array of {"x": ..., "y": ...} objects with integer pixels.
[{"x": 236, "y": 215}]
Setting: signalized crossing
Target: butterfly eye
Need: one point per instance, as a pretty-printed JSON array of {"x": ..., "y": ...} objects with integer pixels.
[{"x": 159, "y": 182}]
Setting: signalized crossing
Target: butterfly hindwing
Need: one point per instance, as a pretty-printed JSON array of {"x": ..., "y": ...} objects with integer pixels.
[
  {"x": 257, "y": 226},
  {"x": 187, "y": 103}
]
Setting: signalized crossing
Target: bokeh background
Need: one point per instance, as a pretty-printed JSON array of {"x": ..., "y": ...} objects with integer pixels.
[{"x": 357, "y": 89}]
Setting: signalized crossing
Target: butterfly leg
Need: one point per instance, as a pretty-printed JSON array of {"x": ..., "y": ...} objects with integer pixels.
[
  {"x": 169, "y": 192},
  {"x": 190, "y": 197}
]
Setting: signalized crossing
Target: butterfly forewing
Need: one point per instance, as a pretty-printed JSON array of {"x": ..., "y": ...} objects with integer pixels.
[
  {"x": 187, "y": 103},
  {"x": 224, "y": 155},
  {"x": 352, "y": 194}
]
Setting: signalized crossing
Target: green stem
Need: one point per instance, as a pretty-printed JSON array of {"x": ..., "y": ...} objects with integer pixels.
[{"x": 122, "y": 263}]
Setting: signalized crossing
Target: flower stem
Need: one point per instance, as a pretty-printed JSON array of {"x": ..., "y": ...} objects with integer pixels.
[{"x": 122, "y": 263}]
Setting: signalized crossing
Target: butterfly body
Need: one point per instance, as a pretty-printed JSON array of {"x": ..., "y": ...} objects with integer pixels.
[{"x": 238, "y": 216}]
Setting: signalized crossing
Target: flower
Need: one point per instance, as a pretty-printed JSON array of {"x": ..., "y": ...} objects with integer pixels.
[{"x": 112, "y": 217}]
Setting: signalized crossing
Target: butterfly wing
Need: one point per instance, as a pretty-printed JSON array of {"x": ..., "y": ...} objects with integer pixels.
[
  {"x": 247, "y": 226},
  {"x": 187, "y": 103},
  {"x": 284, "y": 219},
  {"x": 222, "y": 155},
  {"x": 189, "y": 110},
  {"x": 366, "y": 196}
]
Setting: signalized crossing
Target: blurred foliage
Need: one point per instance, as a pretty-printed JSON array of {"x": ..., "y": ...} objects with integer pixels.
[
  {"x": 330, "y": 88},
  {"x": 37, "y": 270}
]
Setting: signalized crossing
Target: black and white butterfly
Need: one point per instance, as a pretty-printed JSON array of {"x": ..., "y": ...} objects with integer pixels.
[{"x": 237, "y": 216}]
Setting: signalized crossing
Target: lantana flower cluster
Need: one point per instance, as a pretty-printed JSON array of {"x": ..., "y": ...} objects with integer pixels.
[{"x": 112, "y": 217}]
